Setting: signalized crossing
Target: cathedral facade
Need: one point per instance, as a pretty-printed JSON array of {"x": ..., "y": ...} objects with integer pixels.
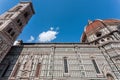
[{"x": 97, "y": 57}]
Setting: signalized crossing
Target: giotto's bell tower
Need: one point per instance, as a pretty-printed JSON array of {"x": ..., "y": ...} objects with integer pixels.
[{"x": 12, "y": 23}]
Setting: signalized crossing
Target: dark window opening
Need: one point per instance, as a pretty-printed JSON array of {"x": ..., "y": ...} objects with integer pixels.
[
  {"x": 18, "y": 20},
  {"x": 13, "y": 33},
  {"x": 98, "y": 34},
  {"x": 20, "y": 24},
  {"x": 108, "y": 38},
  {"x": 26, "y": 14},
  {"x": 95, "y": 65},
  {"x": 65, "y": 65},
  {"x": 9, "y": 31},
  {"x": 38, "y": 70}
]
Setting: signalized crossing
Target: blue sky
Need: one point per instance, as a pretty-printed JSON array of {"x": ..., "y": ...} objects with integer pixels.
[{"x": 63, "y": 20}]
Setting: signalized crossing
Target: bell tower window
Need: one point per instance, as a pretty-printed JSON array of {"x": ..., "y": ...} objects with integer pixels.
[
  {"x": 12, "y": 34},
  {"x": 9, "y": 30},
  {"x": 26, "y": 14},
  {"x": 65, "y": 65},
  {"x": 19, "y": 22}
]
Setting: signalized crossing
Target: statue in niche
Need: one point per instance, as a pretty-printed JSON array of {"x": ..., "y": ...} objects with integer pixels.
[{"x": 27, "y": 67}]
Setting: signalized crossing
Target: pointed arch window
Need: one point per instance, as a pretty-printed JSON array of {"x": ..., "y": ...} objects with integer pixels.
[
  {"x": 10, "y": 30},
  {"x": 26, "y": 14},
  {"x": 96, "y": 66},
  {"x": 13, "y": 33},
  {"x": 37, "y": 73},
  {"x": 65, "y": 65}
]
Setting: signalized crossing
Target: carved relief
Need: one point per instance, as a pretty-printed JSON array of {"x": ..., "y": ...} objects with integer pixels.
[{"x": 27, "y": 68}]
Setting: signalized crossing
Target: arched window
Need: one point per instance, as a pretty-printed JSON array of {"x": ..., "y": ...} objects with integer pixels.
[
  {"x": 9, "y": 30},
  {"x": 65, "y": 65},
  {"x": 110, "y": 77},
  {"x": 19, "y": 22},
  {"x": 26, "y": 14},
  {"x": 37, "y": 73},
  {"x": 13, "y": 33},
  {"x": 96, "y": 66}
]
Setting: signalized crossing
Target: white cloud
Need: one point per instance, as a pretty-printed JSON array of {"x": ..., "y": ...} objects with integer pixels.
[
  {"x": 48, "y": 35},
  {"x": 31, "y": 39}
]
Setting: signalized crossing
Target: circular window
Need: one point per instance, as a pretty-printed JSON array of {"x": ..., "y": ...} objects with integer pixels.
[
  {"x": 98, "y": 34},
  {"x": 108, "y": 38},
  {"x": 102, "y": 40}
]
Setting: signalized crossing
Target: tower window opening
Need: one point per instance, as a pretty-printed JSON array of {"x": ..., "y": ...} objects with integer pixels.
[
  {"x": 37, "y": 73},
  {"x": 18, "y": 20},
  {"x": 20, "y": 24},
  {"x": 13, "y": 33},
  {"x": 9, "y": 31},
  {"x": 65, "y": 65},
  {"x": 98, "y": 34},
  {"x": 95, "y": 65},
  {"x": 26, "y": 14}
]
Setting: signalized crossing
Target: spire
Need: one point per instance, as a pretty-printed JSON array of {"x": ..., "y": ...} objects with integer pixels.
[{"x": 89, "y": 21}]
